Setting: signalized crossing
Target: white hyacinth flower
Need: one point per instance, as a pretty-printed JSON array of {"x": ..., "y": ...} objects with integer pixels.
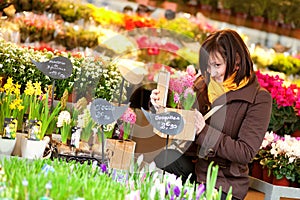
[{"x": 63, "y": 117}]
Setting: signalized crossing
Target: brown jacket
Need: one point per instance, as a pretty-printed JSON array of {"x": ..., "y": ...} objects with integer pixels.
[{"x": 233, "y": 135}]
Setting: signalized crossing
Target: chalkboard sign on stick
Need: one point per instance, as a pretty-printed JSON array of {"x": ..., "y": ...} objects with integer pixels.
[
  {"x": 56, "y": 68},
  {"x": 104, "y": 112},
  {"x": 170, "y": 123},
  {"x": 189, "y": 131}
]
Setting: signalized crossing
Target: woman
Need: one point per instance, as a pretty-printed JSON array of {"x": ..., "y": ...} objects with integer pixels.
[{"x": 232, "y": 136}]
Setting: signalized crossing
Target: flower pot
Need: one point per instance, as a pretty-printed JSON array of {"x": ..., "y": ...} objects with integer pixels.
[
  {"x": 257, "y": 170},
  {"x": 294, "y": 184},
  {"x": 266, "y": 177},
  {"x": 7, "y": 146},
  {"x": 296, "y": 133},
  {"x": 281, "y": 182},
  {"x": 33, "y": 149},
  {"x": 17, "y": 149},
  {"x": 119, "y": 153}
]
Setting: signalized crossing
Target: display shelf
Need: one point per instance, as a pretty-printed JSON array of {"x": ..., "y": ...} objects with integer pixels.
[{"x": 274, "y": 192}]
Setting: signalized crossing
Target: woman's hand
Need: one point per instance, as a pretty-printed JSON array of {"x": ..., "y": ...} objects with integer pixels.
[
  {"x": 154, "y": 97},
  {"x": 199, "y": 122}
]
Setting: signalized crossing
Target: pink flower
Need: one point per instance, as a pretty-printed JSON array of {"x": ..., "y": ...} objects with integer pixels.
[
  {"x": 129, "y": 116},
  {"x": 191, "y": 70},
  {"x": 176, "y": 98}
]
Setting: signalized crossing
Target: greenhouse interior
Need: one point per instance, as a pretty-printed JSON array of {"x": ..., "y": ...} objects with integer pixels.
[{"x": 150, "y": 99}]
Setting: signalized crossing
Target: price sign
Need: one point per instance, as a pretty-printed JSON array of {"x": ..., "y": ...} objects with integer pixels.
[
  {"x": 104, "y": 112},
  {"x": 56, "y": 68},
  {"x": 170, "y": 123}
]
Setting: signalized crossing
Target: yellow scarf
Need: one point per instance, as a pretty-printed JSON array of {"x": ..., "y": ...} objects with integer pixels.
[{"x": 216, "y": 89}]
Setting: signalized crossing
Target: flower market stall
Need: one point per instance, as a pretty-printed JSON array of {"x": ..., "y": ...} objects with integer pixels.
[{"x": 93, "y": 116}]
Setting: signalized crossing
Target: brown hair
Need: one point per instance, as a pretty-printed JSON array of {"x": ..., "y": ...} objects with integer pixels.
[{"x": 233, "y": 50}]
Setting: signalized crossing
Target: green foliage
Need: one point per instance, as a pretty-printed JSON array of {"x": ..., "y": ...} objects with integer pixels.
[
  {"x": 284, "y": 120},
  {"x": 258, "y": 7},
  {"x": 68, "y": 180},
  {"x": 57, "y": 179},
  {"x": 286, "y": 64}
]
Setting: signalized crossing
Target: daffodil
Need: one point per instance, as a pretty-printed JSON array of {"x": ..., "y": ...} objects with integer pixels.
[{"x": 29, "y": 90}]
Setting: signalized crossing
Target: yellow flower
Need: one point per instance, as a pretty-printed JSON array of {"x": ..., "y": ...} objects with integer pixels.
[
  {"x": 15, "y": 104},
  {"x": 12, "y": 106},
  {"x": 20, "y": 107},
  {"x": 8, "y": 85},
  {"x": 29, "y": 90},
  {"x": 37, "y": 87},
  {"x": 17, "y": 89}
]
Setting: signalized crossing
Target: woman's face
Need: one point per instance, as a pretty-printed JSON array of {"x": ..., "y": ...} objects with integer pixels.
[{"x": 216, "y": 67}]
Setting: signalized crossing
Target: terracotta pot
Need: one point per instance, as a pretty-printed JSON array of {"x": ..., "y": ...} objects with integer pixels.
[
  {"x": 281, "y": 182},
  {"x": 271, "y": 25},
  {"x": 72, "y": 96},
  {"x": 294, "y": 184},
  {"x": 257, "y": 22},
  {"x": 265, "y": 175},
  {"x": 257, "y": 170},
  {"x": 296, "y": 133},
  {"x": 296, "y": 33}
]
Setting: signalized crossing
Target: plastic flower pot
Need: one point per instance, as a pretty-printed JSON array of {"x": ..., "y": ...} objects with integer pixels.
[
  {"x": 33, "y": 149},
  {"x": 7, "y": 146}
]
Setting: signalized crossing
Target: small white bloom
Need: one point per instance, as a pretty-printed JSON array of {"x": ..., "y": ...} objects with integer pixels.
[{"x": 63, "y": 117}]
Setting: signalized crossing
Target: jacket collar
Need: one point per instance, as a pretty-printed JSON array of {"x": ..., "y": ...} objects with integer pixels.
[{"x": 246, "y": 93}]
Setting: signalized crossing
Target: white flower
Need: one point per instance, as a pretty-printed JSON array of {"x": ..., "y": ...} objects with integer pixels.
[{"x": 63, "y": 117}]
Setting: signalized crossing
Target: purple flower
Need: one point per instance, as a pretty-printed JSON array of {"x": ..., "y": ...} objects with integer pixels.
[
  {"x": 176, "y": 191},
  {"x": 103, "y": 168},
  {"x": 200, "y": 191},
  {"x": 168, "y": 188}
]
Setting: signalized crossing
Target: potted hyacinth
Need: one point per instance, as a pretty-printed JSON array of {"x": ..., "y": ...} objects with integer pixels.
[
  {"x": 181, "y": 99},
  {"x": 128, "y": 118},
  {"x": 181, "y": 93},
  {"x": 64, "y": 124}
]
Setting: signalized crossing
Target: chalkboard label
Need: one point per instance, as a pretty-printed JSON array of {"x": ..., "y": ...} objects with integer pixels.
[
  {"x": 104, "y": 112},
  {"x": 170, "y": 123},
  {"x": 56, "y": 68}
]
